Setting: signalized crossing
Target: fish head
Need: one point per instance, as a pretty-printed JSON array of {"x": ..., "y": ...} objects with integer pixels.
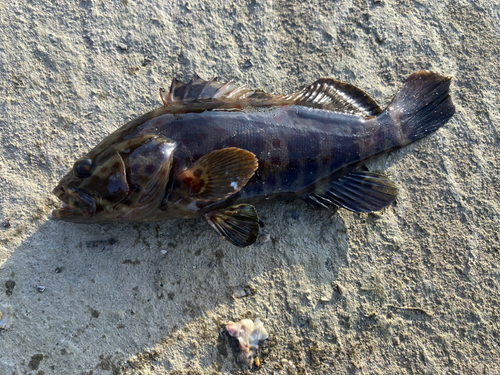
[{"x": 116, "y": 181}]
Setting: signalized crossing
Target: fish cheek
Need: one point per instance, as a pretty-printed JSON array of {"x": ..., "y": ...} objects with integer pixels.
[
  {"x": 108, "y": 181},
  {"x": 114, "y": 190},
  {"x": 149, "y": 167}
]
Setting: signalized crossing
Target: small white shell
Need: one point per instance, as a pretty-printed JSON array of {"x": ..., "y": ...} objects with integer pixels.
[
  {"x": 240, "y": 292},
  {"x": 248, "y": 334}
]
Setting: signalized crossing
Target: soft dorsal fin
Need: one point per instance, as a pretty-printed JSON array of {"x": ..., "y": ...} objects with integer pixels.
[
  {"x": 333, "y": 95},
  {"x": 325, "y": 93}
]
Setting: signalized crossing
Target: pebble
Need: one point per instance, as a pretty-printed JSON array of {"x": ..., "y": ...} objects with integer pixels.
[
  {"x": 241, "y": 292},
  {"x": 265, "y": 237},
  {"x": 6, "y": 223},
  {"x": 4, "y": 317}
]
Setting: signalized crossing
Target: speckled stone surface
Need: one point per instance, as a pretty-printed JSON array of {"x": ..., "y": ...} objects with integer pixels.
[{"x": 414, "y": 289}]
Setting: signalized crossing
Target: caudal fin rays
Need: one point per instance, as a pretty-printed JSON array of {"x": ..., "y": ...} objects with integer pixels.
[{"x": 421, "y": 106}]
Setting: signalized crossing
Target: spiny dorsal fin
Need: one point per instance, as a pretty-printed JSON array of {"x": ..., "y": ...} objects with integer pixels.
[
  {"x": 196, "y": 89},
  {"x": 325, "y": 93},
  {"x": 199, "y": 89}
]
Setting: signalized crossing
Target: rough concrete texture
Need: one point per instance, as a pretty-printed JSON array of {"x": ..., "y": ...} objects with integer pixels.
[{"x": 414, "y": 289}]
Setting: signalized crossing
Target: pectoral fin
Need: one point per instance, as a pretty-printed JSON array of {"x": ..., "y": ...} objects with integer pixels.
[
  {"x": 238, "y": 224},
  {"x": 358, "y": 192},
  {"x": 220, "y": 173}
]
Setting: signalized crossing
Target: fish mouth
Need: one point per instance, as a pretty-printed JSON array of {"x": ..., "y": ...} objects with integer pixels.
[{"x": 76, "y": 203}]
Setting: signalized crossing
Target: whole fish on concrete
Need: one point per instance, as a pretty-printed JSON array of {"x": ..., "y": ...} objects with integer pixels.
[{"x": 213, "y": 150}]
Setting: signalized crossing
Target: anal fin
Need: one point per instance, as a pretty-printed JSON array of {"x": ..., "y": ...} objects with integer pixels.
[
  {"x": 238, "y": 224},
  {"x": 357, "y": 191}
]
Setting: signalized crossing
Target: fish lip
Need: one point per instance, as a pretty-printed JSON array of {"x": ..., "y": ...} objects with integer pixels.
[
  {"x": 65, "y": 211},
  {"x": 78, "y": 203},
  {"x": 60, "y": 194}
]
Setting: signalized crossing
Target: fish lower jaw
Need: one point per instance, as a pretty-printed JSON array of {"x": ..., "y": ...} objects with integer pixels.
[
  {"x": 65, "y": 212},
  {"x": 75, "y": 203}
]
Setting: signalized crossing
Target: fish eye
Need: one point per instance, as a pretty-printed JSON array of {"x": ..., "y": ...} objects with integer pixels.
[{"x": 82, "y": 168}]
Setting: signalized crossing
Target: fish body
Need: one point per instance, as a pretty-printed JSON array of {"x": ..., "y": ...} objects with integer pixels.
[{"x": 214, "y": 150}]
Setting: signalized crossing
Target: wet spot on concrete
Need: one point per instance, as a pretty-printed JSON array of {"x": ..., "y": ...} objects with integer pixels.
[
  {"x": 219, "y": 254},
  {"x": 9, "y": 285},
  {"x": 108, "y": 363},
  {"x": 132, "y": 262},
  {"x": 35, "y": 361},
  {"x": 101, "y": 245}
]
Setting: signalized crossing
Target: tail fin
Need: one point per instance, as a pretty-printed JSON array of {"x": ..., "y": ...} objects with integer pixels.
[{"x": 422, "y": 105}]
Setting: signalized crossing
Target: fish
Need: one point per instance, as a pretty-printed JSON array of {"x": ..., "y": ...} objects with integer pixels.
[{"x": 215, "y": 150}]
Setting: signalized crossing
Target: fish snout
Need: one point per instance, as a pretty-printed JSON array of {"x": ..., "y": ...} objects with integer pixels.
[
  {"x": 60, "y": 194},
  {"x": 77, "y": 202}
]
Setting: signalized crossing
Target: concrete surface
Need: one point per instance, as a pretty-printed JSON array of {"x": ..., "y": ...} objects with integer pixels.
[{"x": 414, "y": 289}]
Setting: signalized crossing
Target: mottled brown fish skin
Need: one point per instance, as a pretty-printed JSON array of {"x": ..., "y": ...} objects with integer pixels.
[
  {"x": 295, "y": 146},
  {"x": 302, "y": 142}
]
